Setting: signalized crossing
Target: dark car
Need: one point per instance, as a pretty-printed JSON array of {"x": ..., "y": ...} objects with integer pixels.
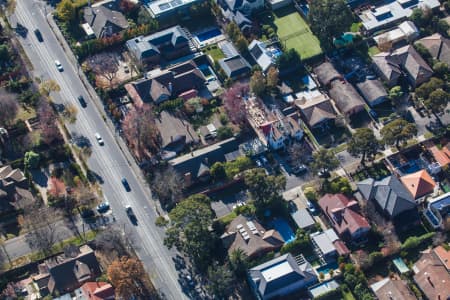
[
  {"x": 126, "y": 185},
  {"x": 103, "y": 207},
  {"x": 38, "y": 35},
  {"x": 82, "y": 101},
  {"x": 299, "y": 169},
  {"x": 130, "y": 214}
]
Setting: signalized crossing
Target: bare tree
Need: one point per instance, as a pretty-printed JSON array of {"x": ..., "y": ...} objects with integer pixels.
[
  {"x": 47, "y": 117},
  {"x": 48, "y": 86},
  {"x": 168, "y": 186},
  {"x": 70, "y": 113},
  {"x": 114, "y": 242},
  {"x": 8, "y": 108},
  {"x": 140, "y": 129},
  {"x": 104, "y": 65},
  {"x": 299, "y": 152}
]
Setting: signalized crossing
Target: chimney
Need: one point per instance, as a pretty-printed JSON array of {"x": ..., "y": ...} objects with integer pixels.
[{"x": 170, "y": 87}]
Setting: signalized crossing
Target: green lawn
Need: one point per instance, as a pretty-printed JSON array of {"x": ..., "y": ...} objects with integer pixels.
[
  {"x": 373, "y": 50},
  {"x": 214, "y": 52},
  {"x": 294, "y": 32},
  {"x": 348, "y": 295}
]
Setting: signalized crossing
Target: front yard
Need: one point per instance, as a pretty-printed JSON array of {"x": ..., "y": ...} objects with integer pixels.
[{"x": 292, "y": 31}]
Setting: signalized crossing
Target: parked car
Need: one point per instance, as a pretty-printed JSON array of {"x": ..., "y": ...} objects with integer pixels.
[
  {"x": 311, "y": 207},
  {"x": 323, "y": 173},
  {"x": 99, "y": 139},
  {"x": 299, "y": 169},
  {"x": 59, "y": 66},
  {"x": 38, "y": 35},
  {"x": 292, "y": 206},
  {"x": 82, "y": 101},
  {"x": 125, "y": 184},
  {"x": 103, "y": 207},
  {"x": 258, "y": 163}
]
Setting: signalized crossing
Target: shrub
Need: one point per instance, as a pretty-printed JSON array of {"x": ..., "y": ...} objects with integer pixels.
[
  {"x": 331, "y": 295},
  {"x": 296, "y": 247},
  {"x": 415, "y": 241},
  {"x": 310, "y": 194},
  {"x": 375, "y": 257},
  {"x": 224, "y": 132}
]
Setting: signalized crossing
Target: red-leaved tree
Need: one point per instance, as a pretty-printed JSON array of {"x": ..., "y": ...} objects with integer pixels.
[
  {"x": 233, "y": 100},
  {"x": 47, "y": 118}
]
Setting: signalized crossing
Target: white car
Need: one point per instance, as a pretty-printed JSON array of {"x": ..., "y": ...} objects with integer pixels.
[
  {"x": 99, "y": 139},
  {"x": 59, "y": 66}
]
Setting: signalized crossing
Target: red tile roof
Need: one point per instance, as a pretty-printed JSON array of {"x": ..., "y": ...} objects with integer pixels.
[
  {"x": 443, "y": 255},
  {"x": 342, "y": 213},
  {"x": 442, "y": 156},
  {"x": 419, "y": 183},
  {"x": 98, "y": 291}
]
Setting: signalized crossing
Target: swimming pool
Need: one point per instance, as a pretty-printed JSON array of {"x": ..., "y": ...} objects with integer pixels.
[
  {"x": 283, "y": 228},
  {"x": 325, "y": 269},
  {"x": 208, "y": 34}
]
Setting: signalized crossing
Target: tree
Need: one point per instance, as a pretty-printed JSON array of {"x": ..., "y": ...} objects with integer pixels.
[
  {"x": 441, "y": 69},
  {"x": 258, "y": 83},
  {"x": 437, "y": 101},
  {"x": 289, "y": 59},
  {"x": 364, "y": 143},
  {"x": 66, "y": 11},
  {"x": 272, "y": 77},
  {"x": 31, "y": 160},
  {"x": 233, "y": 100},
  {"x": 127, "y": 6},
  {"x": 265, "y": 190},
  {"x": 8, "y": 108},
  {"x": 144, "y": 17},
  {"x": 70, "y": 113},
  {"x": 424, "y": 91},
  {"x": 4, "y": 52},
  {"x": 324, "y": 160},
  {"x": 168, "y": 186},
  {"x": 50, "y": 132},
  {"x": 139, "y": 127},
  {"x": 239, "y": 262},
  {"x": 233, "y": 31},
  {"x": 299, "y": 153},
  {"x": 395, "y": 94},
  {"x": 398, "y": 131},
  {"x": 189, "y": 230},
  {"x": 421, "y": 17},
  {"x": 220, "y": 282},
  {"x": 48, "y": 86},
  {"x": 224, "y": 132},
  {"x": 104, "y": 65},
  {"x": 126, "y": 275},
  {"x": 329, "y": 19},
  {"x": 241, "y": 44}
]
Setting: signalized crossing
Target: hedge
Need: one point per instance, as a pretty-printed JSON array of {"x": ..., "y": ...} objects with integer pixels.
[
  {"x": 415, "y": 241},
  {"x": 331, "y": 295}
]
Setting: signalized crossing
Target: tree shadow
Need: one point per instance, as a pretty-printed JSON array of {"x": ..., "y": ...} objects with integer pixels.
[{"x": 40, "y": 178}]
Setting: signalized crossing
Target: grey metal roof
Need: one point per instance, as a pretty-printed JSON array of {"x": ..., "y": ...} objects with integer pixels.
[
  {"x": 303, "y": 218},
  {"x": 234, "y": 66},
  {"x": 372, "y": 90},
  {"x": 105, "y": 16}
]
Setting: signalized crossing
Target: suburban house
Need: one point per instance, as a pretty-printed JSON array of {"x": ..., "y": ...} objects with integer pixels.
[
  {"x": 405, "y": 31},
  {"x": 67, "y": 272},
  {"x": 303, "y": 219},
  {"x": 344, "y": 216},
  {"x": 372, "y": 91},
  {"x": 443, "y": 255},
  {"x": 195, "y": 166},
  {"x": 317, "y": 112},
  {"x": 175, "y": 133},
  {"x": 388, "y": 289},
  {"x": 326, "y": 73},
  {"x": 431, "y": 276},
  {"x": 390, "y": 195},
  {"x": 280, "y": 277},
  {"x": 264, "y": 56},
  {"x": 438, "y": 46},
  {"x": 239, "y": 11},
  {"x": 328, "y": 245},
  {"x": 389, "y": 13},
  {"x": 98, "y": 291},
  {"x": 437, "y": 212},
  {"x": 13, "y": 184},
  {"x": 167, "y": 44},
  {"x": 405, "y": 60},
  {"x": 347, "y": 99},
  {"x": 104, "y": 19},
  {"x": 184, "y": 80},
  {"x": 441, "y": 156},
  {"x": 419, "y": 183},
  {"x": 235, "y": 66},
  {"x": 251, "y": 237},
  {"x": 163, "y": 9}
]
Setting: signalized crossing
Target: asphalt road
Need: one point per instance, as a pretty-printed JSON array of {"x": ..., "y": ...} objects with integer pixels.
[{"x": 107, "y": 161}]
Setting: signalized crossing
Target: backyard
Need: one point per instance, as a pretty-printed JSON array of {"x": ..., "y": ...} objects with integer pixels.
[{"x": 292, "y": 31}]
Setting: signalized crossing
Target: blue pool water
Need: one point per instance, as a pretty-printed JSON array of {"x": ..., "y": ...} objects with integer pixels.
[
  {"x": 208, "y": 34},
  {"x": 326, "y": 268},
  {"x": 283, "y": 228}
]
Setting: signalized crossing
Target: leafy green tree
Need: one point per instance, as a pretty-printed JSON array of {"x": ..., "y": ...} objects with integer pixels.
[
  {"x": 224, "y": 132},
  {"x": 395, "y": 94},
  {"x": 233, "y": 31},
  {"x": 258, "y": 83},
  {"x": 421, "y": 17},
  {"x": 364, "y": 143},
  {"x": 241, "y": 44},
  {"x": 437, "y": 101},
  {"x": 189, "y": 230},
  {"x": 265, "y": 190},
  {"x": 272, "y": 77},
  {"x": 4, "y": 52},
  {"x": 217, "y": 171},
  {"x": 324, "y": 160},
  {"x": 31, "y": 160},
  {"x": 289, "y": 59},
  {"x": 440, "y": 69},
  {"x": 66, "y": 11},
  {"x": 239, "y": 262},
  {"x": 424, "y": 91},
  {"x": 220, "y": 281},
  {"x": 398, "y": 131},
  {"x": 329, "y": 19}
]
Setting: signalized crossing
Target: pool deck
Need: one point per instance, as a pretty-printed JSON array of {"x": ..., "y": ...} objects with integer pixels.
[{"x": 214, "y": 40}]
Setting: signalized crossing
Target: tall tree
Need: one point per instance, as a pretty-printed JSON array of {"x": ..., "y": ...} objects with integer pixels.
[
  {"x": 189, "y": 232},
  {"x": 424, "y": 91},
  {"x": 395, "y": 94},
  {"x": 126, "y": 275},
  {"x": 104, "y": 65},
  {"x": 437, "y": 100},
  {"x": 329, "y": 20},
  {"x": 239, "y": 262},
  {"x": 233, "y": 100},
  {"x": 66, "y": 11},
  {"x": 220, "y": 282},
  {"x": 8, "y": 108},
  {"x": 289, "y": 59},
  {"x": 168, "y": 186},
  {"x": 299, "y": 152},
  {"x": 47, "y": 119},
  {"x": 258, "y": 83},
  {"x": 398, "y": 131},
  {"x": 324, "y": 160},
  {"x": 364, "y": 143},
  {"x": 272, "y": 77},
  {"x": 48, "y": 86},
  {"x": 139, "y": 127},
  {"x": 265, "y": 190}
]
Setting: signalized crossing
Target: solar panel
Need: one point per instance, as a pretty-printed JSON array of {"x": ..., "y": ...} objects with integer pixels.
[
  {"x": 164, "y": 6},
  {"x": 176, "y": 3}
]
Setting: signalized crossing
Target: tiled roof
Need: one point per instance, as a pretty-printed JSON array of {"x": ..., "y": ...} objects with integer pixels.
[
  {"x": 419, "y": 183},
  {"x": 389, "y": 289},
  {"x": 326, "y": 73},
  {"x": 316, "y": 110},
  {"x": 103, "y": 16},
  {"x": 98, "y": 291},
  {"x": 443, "y": 255},
  {"x": 432, "y": 277},
  {"x": 438, "y": 46}
]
